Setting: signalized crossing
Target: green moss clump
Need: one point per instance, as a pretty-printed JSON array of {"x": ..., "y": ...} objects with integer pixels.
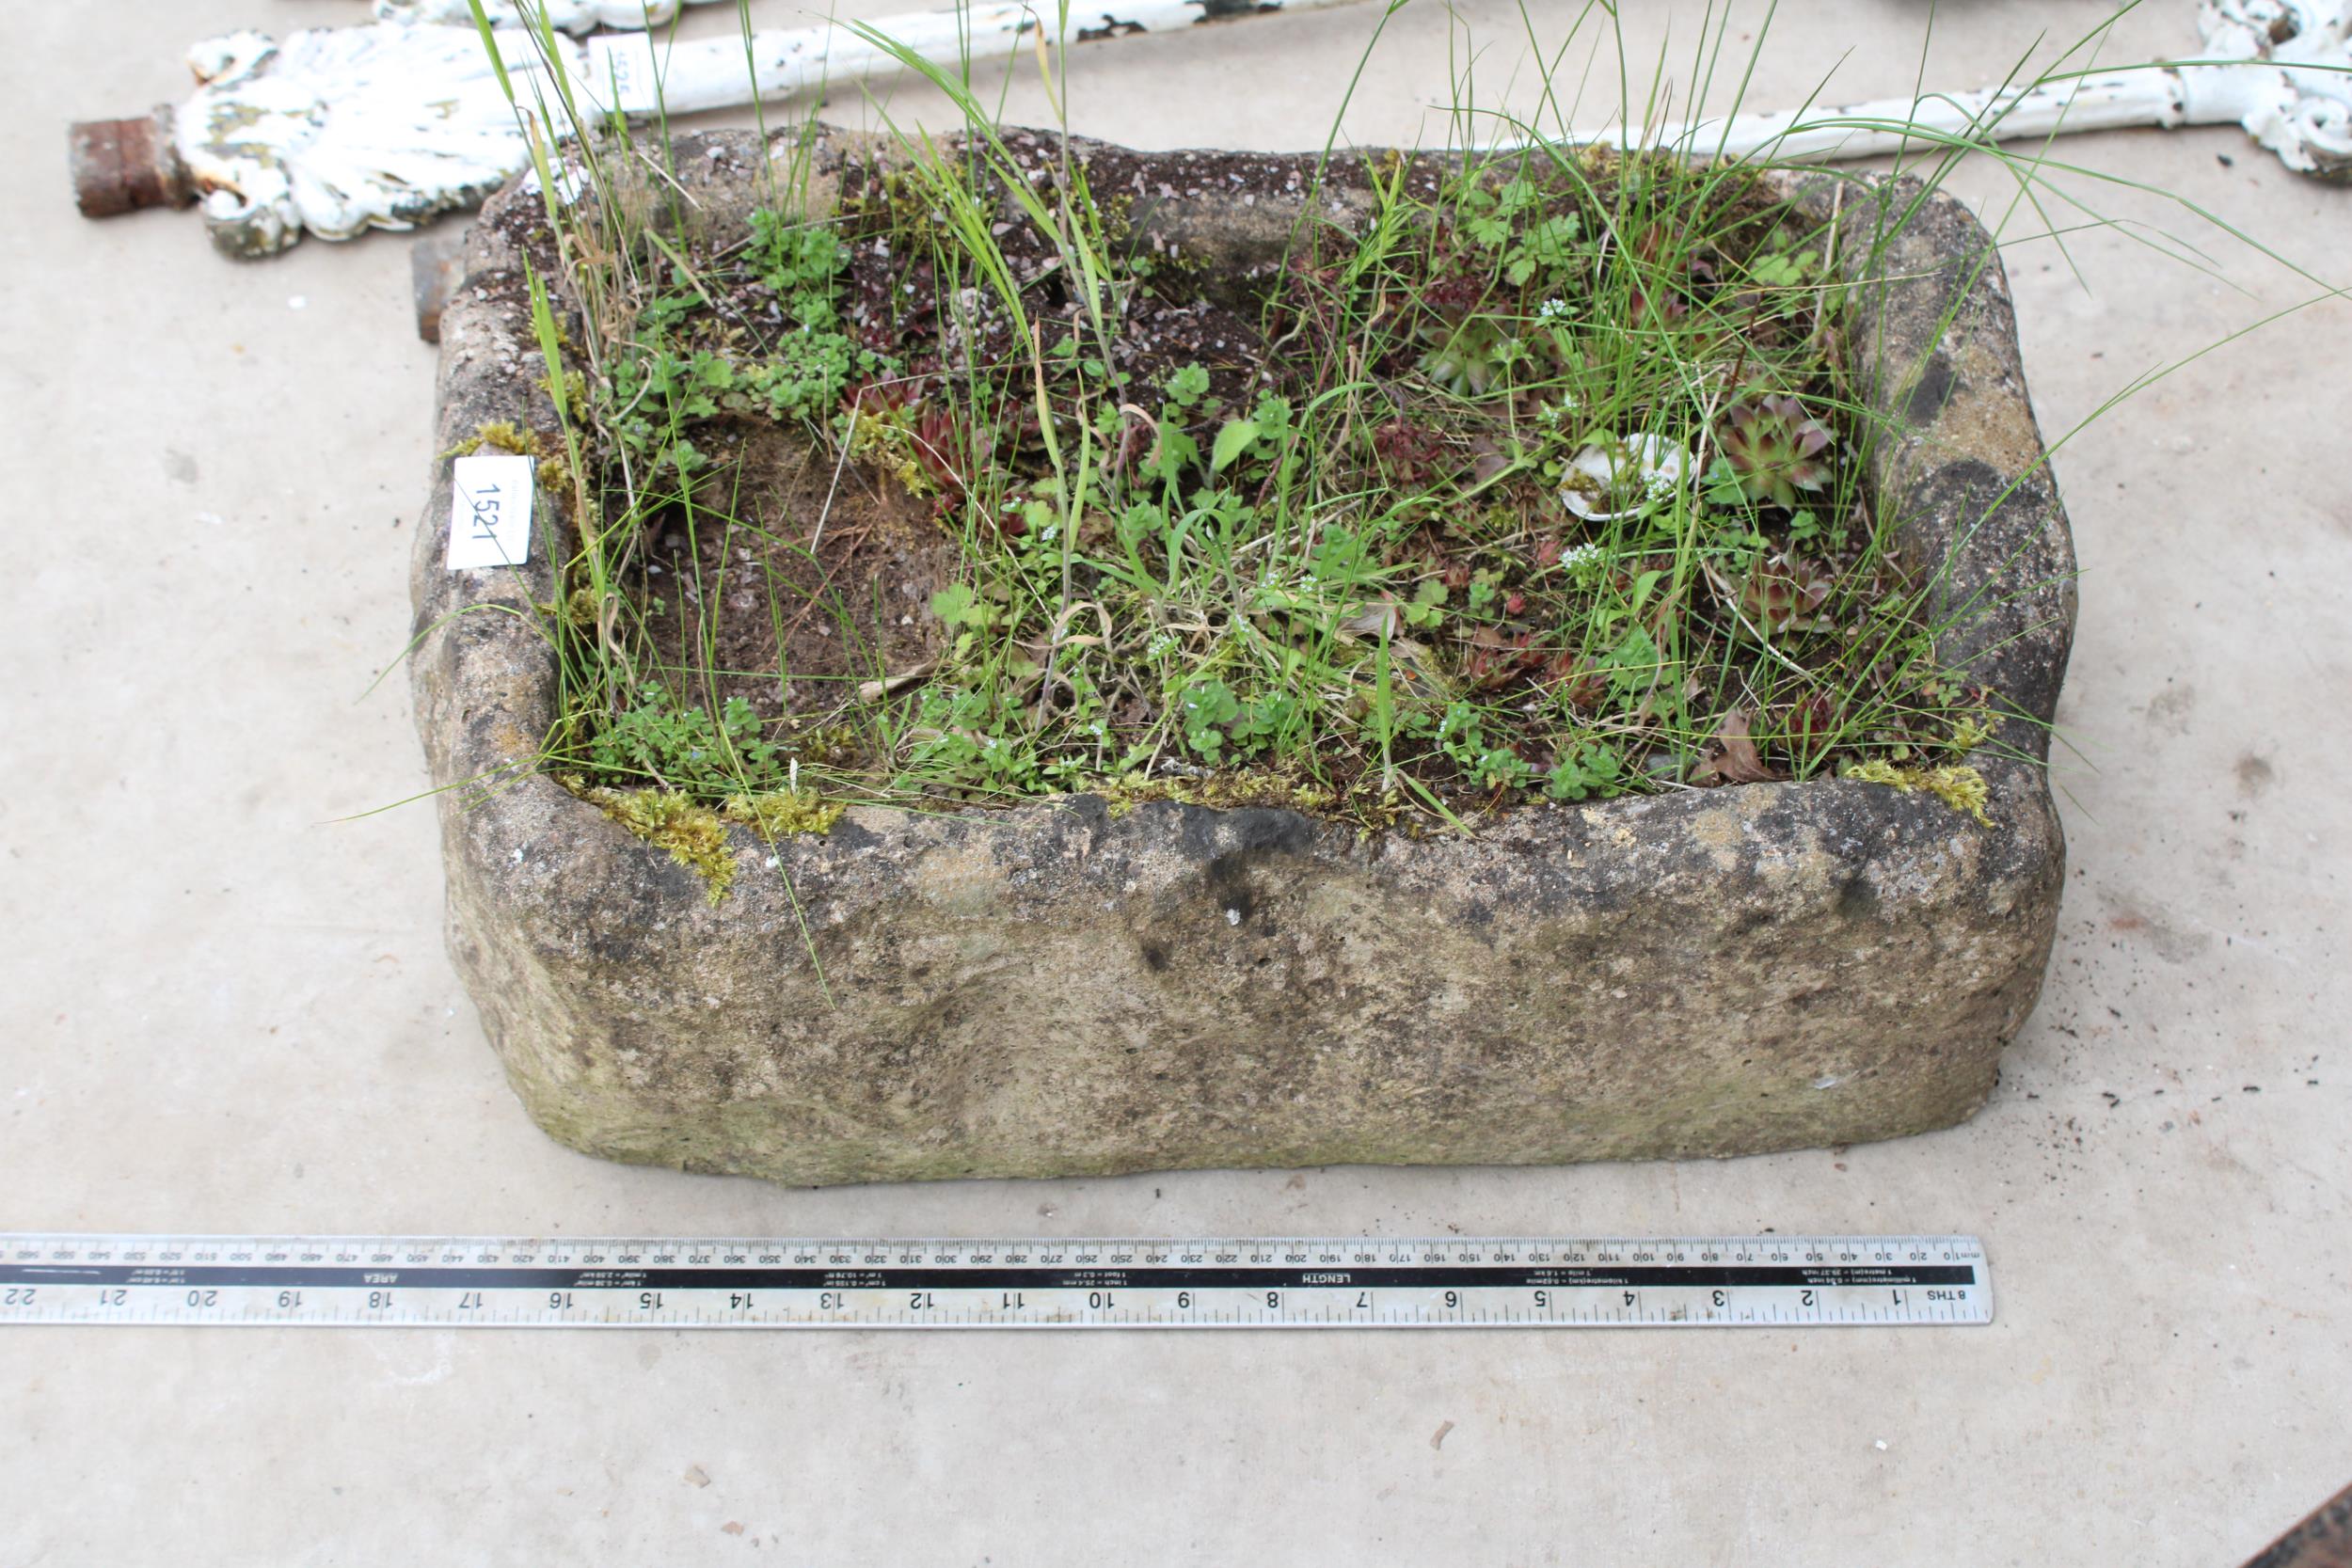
[
  {"x": 578, "y": 609},
  {"x": 1961, "y": 787},
  {"x": 1970, "y": 731},
  {"x": 784, "y": 812},
  {"x": 497, "y": 435},
  {"x": 693, "y": 834},
  {"x": 554, "y": 473}
]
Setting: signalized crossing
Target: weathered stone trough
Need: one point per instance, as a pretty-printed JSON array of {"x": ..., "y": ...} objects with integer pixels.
[{"x": 1054, "y": 990}]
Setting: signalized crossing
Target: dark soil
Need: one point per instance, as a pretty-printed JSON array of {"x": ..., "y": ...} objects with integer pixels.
[{"x": 790, "y": 629}]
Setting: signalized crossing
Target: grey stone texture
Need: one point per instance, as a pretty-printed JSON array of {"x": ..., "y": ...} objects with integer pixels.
[{"x": 1055, "y": 990}]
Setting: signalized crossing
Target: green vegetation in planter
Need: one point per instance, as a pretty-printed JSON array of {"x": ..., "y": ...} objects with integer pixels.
[{"x": 1543, "y": 482}]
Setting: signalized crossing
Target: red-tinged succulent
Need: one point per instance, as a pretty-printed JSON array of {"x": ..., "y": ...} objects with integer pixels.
[
  {"x": 1468, "y": 358},
  {"x": 1411, "y": 450},
  {"x": 933, "y": 435},
  {"x": 1465, "y": 347},
  {"x": 1655, "y": 295},
  {"x": 1775, "y": 448},
  {"x": 1785, "y": 592},
  {"x": 939, "y": 447},
  {"x": 1497, "y": 659},
  {"x": 1815, "y": 719}
]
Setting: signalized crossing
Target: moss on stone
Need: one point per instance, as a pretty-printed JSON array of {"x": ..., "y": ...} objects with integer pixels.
[
  {"x": 497, "y": 435},
  {"x": 554, "y": 474},
  {"x": 1959, "y": 787},
  {"x": 1970, "y": 731},
  {"x": 784, "y": 812},
  {"x": 695, "y": 835}
]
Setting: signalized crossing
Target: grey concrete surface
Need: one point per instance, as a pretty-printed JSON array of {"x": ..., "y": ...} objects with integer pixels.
[{"x": 226, "y": 1004}]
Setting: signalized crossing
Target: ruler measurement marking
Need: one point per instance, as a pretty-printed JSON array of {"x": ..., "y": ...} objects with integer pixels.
[{"x": 533, "y": 1282}]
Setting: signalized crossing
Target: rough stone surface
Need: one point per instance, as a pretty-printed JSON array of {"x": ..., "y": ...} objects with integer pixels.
[{"x": 1050, "y": 991}]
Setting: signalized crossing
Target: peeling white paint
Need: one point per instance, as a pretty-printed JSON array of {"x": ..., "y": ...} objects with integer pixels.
[{"x": 336, "y": 131}]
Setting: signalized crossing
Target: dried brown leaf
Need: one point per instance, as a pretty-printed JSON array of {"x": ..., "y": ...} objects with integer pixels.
[
  {"x": 1376, "y": 620},
  {"x": 1736, "y": 760}
]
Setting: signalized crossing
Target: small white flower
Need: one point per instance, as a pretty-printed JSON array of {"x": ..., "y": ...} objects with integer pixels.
[
  {"x": 1586, "y": 565},
  {"x": 1550, "y": 309}
]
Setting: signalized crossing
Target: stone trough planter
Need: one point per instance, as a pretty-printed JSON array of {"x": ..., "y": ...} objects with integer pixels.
[{"x": 1056, "y": 990}]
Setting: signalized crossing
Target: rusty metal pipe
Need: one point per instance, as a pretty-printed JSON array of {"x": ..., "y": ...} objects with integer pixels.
[{"x": 120, "y": 166}]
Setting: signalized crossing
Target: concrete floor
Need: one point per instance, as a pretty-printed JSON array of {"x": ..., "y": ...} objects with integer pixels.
[{"x": 227, "y": 1007}]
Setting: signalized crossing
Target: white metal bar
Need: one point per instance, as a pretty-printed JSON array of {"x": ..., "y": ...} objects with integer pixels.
[
  {"x": 2281, "y": 68},
  {"x": 710, "y": 73},
  {"x": 1884, "y": 126}
]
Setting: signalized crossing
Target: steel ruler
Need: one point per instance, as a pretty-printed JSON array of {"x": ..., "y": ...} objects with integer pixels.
[{"x": 562, "y": 1282}]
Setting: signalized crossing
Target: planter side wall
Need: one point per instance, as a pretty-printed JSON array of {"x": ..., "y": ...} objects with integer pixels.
[{"x": 1053, "y": 989}]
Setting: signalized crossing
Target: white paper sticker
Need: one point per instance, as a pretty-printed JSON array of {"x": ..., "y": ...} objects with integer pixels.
[{"x": 489, "y": 511}]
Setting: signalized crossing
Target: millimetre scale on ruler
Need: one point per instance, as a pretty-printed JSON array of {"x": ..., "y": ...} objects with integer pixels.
[{"x": 542, "y": 1282}]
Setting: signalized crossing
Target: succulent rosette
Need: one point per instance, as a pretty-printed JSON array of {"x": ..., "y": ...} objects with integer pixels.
[{"x": 1775, "y": 448}]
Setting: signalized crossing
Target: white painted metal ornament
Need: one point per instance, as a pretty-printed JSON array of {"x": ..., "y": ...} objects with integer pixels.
[
  {"x": 2282, "y": 69},
  {"x": 336, "y": 131}
]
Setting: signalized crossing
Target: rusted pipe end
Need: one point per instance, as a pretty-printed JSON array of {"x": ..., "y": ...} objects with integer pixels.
[
  {"x": 436, "y": 264},
  {"x": 120, "y": 166}
]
